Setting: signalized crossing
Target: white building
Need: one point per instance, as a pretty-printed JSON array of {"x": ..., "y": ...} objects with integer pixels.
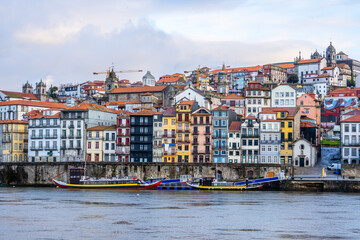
[
  {"x": 148, "y": 79},
  {"x": 157, "y": 137},
  {"x": 44, "y": 136},
  {"x": 304, "y": 153},
  {"x": 270, "y": 140},
  {"x": 234, "y": 141},
  {"x": 75, "y": 121},
  {"x": 350, "y": 140},
  {"x": 70, "y": 90},
  {"x": 283, "y": 95},
  {"x": 190, "y": 94},
  {"x": 15, "y": 110},
  {"x": 304, "y": 68},
  {"x": 109, "y": 144},
  {"x": 235, "y": 102}
]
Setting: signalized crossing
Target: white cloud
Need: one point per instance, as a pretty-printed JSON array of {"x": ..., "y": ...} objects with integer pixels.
[{"x": 67, "y": 41}]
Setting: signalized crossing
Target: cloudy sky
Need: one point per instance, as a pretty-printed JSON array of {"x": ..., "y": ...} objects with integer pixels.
[{"x": 66, "y": 41}]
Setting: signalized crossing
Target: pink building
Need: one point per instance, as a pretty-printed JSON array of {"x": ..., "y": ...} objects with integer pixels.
[
  {"x": 309, "y": 107},
  {"x": 201, "y": 128}
]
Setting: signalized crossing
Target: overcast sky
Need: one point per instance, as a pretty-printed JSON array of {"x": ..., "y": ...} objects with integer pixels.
[{"x": 66, "y": 41}]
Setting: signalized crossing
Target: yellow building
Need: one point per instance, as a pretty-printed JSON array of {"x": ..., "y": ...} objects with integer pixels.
[
  {"x": 183, "y": 138},
  {"x": 101, "y": 144},
  {"x": 14, "y": 146},
  {"x": 169, "y": 135},
  {"x": 290, "y": 131}
]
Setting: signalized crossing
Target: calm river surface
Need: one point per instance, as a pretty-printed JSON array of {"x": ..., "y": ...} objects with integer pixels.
[{"x": 50, "y": 213}]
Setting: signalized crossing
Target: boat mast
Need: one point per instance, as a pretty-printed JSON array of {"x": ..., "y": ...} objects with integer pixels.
[{"x": 85, "y": 170}]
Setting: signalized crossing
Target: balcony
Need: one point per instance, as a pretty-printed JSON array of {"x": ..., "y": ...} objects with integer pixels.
[
  {"x": 179, "y": 130},
  {"x": 71, "y": 126},
  {"x": 37, "y": 136},
  {"x": 186, "y": 130},
  {"x": 195, "y": 143},
  {"x": 51, "y": 136},
  {"x": 51, "y": 148},
  {"x": 195, "y": 132},
  {"x": 207, "y": 133},
  {"x": 34, "y": 148},
  {"x": 195, "y": 151},
  {"x": 250, "y": 135},
  {"x": 270, "y": 141},
  {"x": 352, "y": 143},
  {"x": 207, "y": 143},
  {"x": 125, "y": 144},
  {"x": 63, "y": 136},
  {"x": 6, "y": 140}
]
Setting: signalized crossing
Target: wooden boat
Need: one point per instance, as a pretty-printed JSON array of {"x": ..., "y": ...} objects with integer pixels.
[
  {"x": 211, "y": 184},
  {"x": 78, "y": 179},
  {"x": 135, "y": 184}
]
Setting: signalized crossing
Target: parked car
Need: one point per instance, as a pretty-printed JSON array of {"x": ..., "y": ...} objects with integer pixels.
[{"x": 334, "y": 166}]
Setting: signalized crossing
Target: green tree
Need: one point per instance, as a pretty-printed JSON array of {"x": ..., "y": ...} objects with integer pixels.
[
  {"x": 293, "y": 78},
  {"x": 53, "y": 92},
  {"x": 351, "y": 83}
]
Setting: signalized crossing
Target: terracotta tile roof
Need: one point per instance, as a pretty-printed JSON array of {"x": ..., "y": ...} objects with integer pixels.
[
  {"x": 170, "y": 112},
  {"x": 84, "y": 106},
  {"x": 146, "y": 94},
  {"x": 286, "y": 65},
  {"x": 187, "y": 102},
  {"x": 240, "y": 69},
  {"x": 221, "y": 108},
  {"x": 250, "y": 117},
  {"x": 14, "y": 122},
  {"x": 103, "y": 128},
  {"x": 34, "y": 103},
  {"x": 343, "y": 91},
  {"x": 270, "y": 120},
  {"x": 254, "y": 82},
  {"x": 343, "y": 65},
  {"x": 20, "y": 95},
  {"x": 139, "y": 89},
  {"x": 268, "y": 110},
  {"x": 291, "y": 110},
  {"x": 323, "y": 75},
  {"x": 197, "y": 112},
  {"x": 341, "y": 53},
  {"x": 170, "y": 78},
  {"x": 235, "y": 126},
  {"x": 233, "y": 96},
  {"x": 145, "y": 112},
  {"x": 328, "y": 68},
  {"x": 309, "y": 61},
  {"x": 355, "y": 118},
  {"x": 40, "y": 114}
]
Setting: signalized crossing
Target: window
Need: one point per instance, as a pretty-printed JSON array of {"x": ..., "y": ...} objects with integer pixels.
[
  {"x": 96, "y": 145},
  {"x": 353, "y": 128},
  {"x": 290, "y": 124},
  {"x": 346, "y": 127},
  {"x": 244, "y": 142},
  {"x": 256, "y": 142},
  {"x": 89, "y": 145},
  {"x": 282, "y": 124}
]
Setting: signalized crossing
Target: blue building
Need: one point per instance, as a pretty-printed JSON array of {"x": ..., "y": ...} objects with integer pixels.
[{"x": 222, "y": 119}]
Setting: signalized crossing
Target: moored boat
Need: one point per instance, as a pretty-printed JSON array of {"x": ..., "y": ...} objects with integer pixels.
[
  {"x": 77, "y": 180},
  {"x": 210, "y": 184},
  {"x": 117, "y": 183}
]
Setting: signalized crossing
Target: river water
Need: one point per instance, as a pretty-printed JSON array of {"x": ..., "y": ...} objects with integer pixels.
[{"x": 50, "y": 213}]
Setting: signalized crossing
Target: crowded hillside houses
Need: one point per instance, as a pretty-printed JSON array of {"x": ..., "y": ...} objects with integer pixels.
[{"x": 279, "y": 113}]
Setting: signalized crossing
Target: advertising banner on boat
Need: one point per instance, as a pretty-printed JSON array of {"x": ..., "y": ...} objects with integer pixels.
[{"x": 335, "y": 102}]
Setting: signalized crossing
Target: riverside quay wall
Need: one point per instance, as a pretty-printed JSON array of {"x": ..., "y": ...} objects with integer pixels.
[{"x": 32, "y": 174}]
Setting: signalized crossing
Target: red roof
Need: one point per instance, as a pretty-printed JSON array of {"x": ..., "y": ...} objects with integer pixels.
[
  {"x": 139, "y": 89},
  {"x": 19, "y": 95},
  {"x": 309, "y": 61},
  {"x": 102, "y": 128},
  {"x": 233, "y": 96},
  {"x": 84, "y": 106},
  {"x": 235, "y": 126},
  {"x": 13, "y": 121},
  {"x": 328, "y": 68},
  {"x": 34, "y": 103},
  {"x": 355, "y": 118},
  {"x": 269, "y": 120},
  {"x": 187, "y": 102},
  {"x": 286, "y": 65},
  {"x": 240, "y": 69},
  {"x": 145, "y": 112},
  {"x": 221, "y": 108}
]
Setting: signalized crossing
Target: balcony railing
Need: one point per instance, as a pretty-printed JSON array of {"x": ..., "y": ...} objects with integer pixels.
[
  {"x": 37, "y": 136},
  {"x": 51, "y": 136},
  {"x": 195, "y": 143},
  {"x": 270, "y": 141},
  {"x": 249, "y": 135},
  {"x": 195, "y": 132},
  {"x": 351, "y": 143},
  {"x": 51, "y": 148},
  {"x": 71, "y": 126},
  {"x": 36, "y": 148},
  {"x": 6, "y": 140}
]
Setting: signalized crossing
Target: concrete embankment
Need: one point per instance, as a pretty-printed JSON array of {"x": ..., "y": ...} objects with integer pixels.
[
  {"x": 320, "y": 185},
  {"x": 38, "y": 174}
]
